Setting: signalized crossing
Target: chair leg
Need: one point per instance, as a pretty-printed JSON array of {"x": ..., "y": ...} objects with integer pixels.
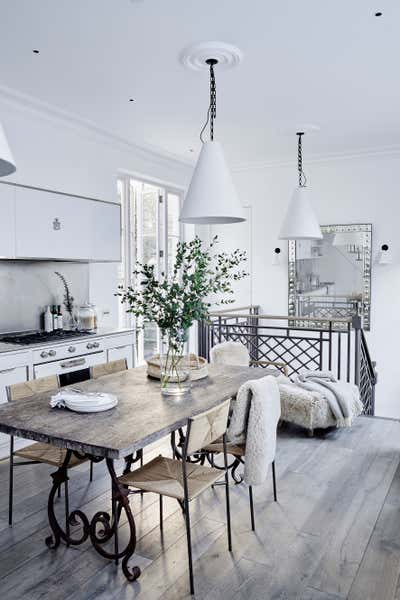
[
  {"x": 67, "y": 531},
  {"x": 228, "y": 508},
  {"x": 161, "y": 512},
  {"x": 274, "y": 481},
  {"x": 11, "y": 482},
  {"x": 114, "y": 511},
  {"x": 189, "y": 545},
  {"x": 91, "y": 472},
  {"x": 253, "y": 527}
]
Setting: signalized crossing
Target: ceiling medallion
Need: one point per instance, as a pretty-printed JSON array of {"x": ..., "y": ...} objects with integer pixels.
[{"x": 195, "y": 56}]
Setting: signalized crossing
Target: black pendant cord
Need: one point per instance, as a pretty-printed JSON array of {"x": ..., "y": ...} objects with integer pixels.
[
  {"x": 302, "y": 176},
  {"x": 212, "y": 109}
]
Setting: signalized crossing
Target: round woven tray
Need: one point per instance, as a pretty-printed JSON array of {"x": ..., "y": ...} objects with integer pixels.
[{"x": 198, "y": 367}]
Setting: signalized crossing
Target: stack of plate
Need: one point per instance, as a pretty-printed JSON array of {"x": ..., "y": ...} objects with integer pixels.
[{"x": 89, "y": 403}]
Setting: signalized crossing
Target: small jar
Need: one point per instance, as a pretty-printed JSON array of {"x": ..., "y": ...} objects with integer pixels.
[{"x": 87, "y": 317}]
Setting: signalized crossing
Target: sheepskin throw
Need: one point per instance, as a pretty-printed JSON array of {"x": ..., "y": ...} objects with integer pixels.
[
  {"x": 254, "y": 421},
  {"x": 230, "y": 353}
]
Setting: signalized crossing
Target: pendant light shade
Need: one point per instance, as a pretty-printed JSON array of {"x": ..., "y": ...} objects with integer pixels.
[
  {"x": 7, "y": 162},
  {"x": 211, "y": 197},
  {"x": 300, "y": 222}
]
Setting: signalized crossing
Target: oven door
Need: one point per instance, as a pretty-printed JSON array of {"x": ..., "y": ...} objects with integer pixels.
[{"x": 70, "y": 370}]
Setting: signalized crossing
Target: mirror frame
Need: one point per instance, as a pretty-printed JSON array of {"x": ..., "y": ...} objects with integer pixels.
[{"x": 365, "y": 228}]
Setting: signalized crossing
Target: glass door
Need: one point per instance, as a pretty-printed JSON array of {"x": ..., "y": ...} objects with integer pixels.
[{"x": 150, "y": 232}]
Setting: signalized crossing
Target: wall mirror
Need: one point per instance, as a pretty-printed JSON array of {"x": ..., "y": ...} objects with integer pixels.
[{"x": 331, "y": 278}]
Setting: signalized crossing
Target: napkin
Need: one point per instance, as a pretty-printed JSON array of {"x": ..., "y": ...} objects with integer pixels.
[{"x": 59, "y": 400}]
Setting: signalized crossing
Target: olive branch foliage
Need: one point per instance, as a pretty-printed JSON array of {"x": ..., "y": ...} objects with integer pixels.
[{"x": 174, "y": 303}]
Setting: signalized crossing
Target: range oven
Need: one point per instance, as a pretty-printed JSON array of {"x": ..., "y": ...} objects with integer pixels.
[{"x": 71, "y": 361}]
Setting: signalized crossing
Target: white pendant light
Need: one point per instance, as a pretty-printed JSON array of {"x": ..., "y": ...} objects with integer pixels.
[
  {"x": 7, "y": 162},
  {"x": 300, "y": 222},
  {"x": 211, "y": 197}
]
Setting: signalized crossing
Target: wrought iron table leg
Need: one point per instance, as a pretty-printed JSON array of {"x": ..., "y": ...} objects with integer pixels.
[{"x": 102, "y": 528}]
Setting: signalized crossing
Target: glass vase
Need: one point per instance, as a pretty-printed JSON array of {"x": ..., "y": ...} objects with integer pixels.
[{"x": 174, "y": 365}]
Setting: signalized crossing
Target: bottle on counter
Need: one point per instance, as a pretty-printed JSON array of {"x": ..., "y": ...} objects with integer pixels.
[
  {"x": 48, "y": 320},
  {"x": 59, "y": 317},
  {"x": 55, "y": 317}
]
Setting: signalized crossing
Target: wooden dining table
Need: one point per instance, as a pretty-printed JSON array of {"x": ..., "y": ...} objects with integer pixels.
[{"x": 143, "y": 415}]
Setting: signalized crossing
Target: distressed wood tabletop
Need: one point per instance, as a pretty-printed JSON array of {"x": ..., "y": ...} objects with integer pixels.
[{"x": 142, "y": 416}]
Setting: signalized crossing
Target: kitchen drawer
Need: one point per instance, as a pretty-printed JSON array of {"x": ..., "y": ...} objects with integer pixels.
[
  {"x": 69, "y": 350},
  {"x": 122, "y": 339},
  {"x": 121, "y": 352},
  {"x": 8, "y": 361},
  {"x": 69, "y": 365}
]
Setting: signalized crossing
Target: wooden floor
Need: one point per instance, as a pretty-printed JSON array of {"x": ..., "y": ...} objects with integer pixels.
[{"x": 334, "y": 532}]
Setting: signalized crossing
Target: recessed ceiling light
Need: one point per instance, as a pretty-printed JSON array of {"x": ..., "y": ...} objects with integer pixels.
[
  {"x": 35, "y": 51},
  {"x": 378, "y": 14}
]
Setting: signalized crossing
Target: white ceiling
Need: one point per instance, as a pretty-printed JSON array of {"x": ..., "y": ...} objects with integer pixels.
[{"x": 328, "y": 62}]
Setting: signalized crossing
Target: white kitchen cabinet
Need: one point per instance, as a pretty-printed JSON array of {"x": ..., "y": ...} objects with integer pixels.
[
  {"x": 50, "y": 225},
  {"x": 7, "y": 221},
  {"x": 120, "y": 347},
  {"x": 13, "y": 369},
  {"x": 106, "y": 231},
  {"x": 121, "y": 352}
]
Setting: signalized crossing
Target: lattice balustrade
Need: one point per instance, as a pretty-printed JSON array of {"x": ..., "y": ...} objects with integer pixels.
[{"x": 337, "y": 346}]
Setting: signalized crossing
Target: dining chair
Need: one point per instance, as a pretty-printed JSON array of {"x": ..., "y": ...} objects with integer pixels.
[
  {"x": 239, "y": 452},
  {"x": 184, "y": 480},
  {"x": 235, "y": 353},
  {"x": 39, "y": 452},
  {"x": 108, "y": 368},
  {"x": 114, "y": 366}
]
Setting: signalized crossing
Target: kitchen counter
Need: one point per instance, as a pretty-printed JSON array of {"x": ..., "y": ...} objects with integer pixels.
[{"x": 100, "y": 332}]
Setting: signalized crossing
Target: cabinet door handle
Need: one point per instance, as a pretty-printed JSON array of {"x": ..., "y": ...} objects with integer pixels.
[
  {"x": 7, "y": 370},
  {"x": 73, "y": 363},
  {"x": 119, "y": 348}
]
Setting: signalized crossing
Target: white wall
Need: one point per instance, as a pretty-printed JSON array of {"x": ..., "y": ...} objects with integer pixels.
[
  {"x": 56, "y": 152},
  {"x": 353, "y": 190}
]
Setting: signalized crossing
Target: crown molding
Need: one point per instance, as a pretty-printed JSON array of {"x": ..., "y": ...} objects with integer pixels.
[
  {"x": 379, "y": 152},
  {"x": 84, "y": 127}
]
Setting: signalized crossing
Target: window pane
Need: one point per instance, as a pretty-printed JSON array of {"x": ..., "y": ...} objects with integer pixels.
[{"x": 174, "y": 206}]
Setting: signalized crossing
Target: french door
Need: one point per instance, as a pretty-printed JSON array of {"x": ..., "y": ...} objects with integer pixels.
[{"x": 150, "y": 232}]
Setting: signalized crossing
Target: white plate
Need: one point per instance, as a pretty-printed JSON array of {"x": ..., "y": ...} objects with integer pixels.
[{"x": 90, "y": 407}]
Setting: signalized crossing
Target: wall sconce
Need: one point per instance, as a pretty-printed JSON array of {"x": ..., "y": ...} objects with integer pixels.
[
  {"x": 277, "y": 260},
  {"x": 385, "y": 256}
]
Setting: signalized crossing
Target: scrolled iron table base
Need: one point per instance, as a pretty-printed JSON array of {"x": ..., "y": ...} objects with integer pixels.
[{"x": 103, "y": 526}]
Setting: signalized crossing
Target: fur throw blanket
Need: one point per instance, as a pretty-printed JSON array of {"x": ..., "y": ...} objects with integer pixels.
[
  {"x": 254, "y": 421},
  {"x": 343, "y": 398},
  {"x": 230, "y": 353}
]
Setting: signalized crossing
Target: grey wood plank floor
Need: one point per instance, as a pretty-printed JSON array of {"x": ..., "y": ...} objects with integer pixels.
[{"x": 333, "y": 534}]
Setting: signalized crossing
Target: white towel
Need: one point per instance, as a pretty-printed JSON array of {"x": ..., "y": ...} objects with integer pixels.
[
  {"x": 59, "y": 400},
  {"x": 258, "y": 400}
]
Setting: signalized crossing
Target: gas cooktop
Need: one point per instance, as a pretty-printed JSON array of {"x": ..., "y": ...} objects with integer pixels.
[{"x": 25, "y": 339}]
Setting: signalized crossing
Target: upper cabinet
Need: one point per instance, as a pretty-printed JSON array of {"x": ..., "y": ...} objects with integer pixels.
[{"x": 50, "y": 225}]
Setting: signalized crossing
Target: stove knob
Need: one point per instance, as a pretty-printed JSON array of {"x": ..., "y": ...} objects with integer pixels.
[
  {"x": 52, "y": 352},
  {"x": 96, "y": 344},
  {"x": 71, "y": 349},
  {"x": 44, "y": 354},
  {"x": 89, "y": 346}
]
